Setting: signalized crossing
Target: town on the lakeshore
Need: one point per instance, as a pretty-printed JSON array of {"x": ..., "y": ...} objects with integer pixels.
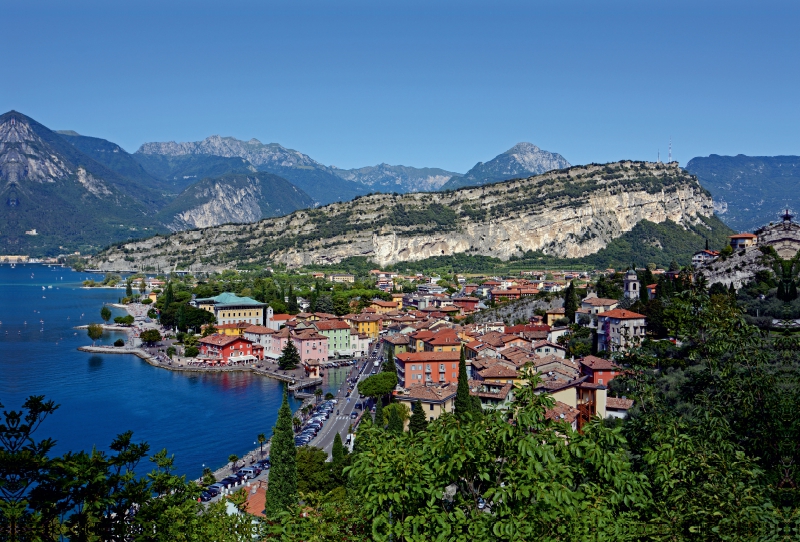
[{"x": 425, "y": 331}]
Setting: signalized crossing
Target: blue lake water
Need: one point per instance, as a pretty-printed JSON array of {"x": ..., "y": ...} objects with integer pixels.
[{"x": 199, "y": 418}]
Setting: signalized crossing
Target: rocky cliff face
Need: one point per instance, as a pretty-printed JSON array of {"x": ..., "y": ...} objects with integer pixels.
[
  {"x": 570, "y": 213},
  {"x": 237, "y": 198},
  {"x": 521, "y": 160}
]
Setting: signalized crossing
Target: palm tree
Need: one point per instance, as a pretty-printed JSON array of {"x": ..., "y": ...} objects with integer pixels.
[
  {"x": 318, "y": 393},
  {"x": 262, "y": 438},
  {"x": 233, "y": 458},
  {"x": 296, "y": 423}
]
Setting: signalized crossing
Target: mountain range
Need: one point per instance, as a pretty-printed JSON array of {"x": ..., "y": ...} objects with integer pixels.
[
  {"x": 567, "y": 213},
  {"x": 749, "y": 191}
]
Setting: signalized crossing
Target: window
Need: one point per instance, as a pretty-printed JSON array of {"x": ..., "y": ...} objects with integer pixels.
[
  {"x": 431, "y": 407},
  {"x": 600, "y": 381}
]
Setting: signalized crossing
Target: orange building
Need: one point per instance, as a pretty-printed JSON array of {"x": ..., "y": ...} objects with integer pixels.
[{"x": 415, "y": 368}]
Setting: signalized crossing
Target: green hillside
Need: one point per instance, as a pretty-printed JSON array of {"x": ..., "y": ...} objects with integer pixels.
[
  {"x": 749, "y": 191},
  {"x": 71, "y": 200}
]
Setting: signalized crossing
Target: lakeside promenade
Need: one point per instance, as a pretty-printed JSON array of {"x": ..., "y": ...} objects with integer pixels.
[{"x": 294, "y": 377}]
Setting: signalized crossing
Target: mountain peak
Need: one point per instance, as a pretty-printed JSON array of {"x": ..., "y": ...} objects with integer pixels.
[
  {"x": 522, "y": 160},
  {"x": 523, "y": 147}
]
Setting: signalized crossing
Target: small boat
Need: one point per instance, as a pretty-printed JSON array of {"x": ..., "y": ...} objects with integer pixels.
[
  {"x": 43, "y": 288},
  {"x": 49, "y": 287}
]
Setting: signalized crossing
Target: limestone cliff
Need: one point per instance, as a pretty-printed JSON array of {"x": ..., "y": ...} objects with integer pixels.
[{"x": 565, "y": 213}]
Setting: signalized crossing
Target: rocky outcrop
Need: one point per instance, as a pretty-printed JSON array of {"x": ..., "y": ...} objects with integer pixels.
[
  {"x": 386, "y": 178},
  {"x": 225, "y": 204},
  {"x": 567, "y": 213}
]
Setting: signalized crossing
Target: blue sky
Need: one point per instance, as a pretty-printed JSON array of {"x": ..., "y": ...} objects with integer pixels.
[{"x": 439, "y": 84}]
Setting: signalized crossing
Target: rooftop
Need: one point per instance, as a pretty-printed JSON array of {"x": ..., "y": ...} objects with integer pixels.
[{"x": 621, "y": 314}]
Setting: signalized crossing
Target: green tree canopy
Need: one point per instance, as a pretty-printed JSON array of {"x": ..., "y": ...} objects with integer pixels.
[
  {"x": 94, "y": 331},
  {"x": 105, "y": 314},
  {"x": 378, "y": 385},
  {"x": 290, "y": 357},
  {"x": 418, "y": 422}
]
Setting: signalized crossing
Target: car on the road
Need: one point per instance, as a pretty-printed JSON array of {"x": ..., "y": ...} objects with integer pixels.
[
  {"x": 353, "y": 415},
  {"x": 264, "y": 463},
  {"x": 205, "y": 496}
]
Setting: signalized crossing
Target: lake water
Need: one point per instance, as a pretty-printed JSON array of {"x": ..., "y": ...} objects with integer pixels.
[{"x": 199, "y": 418}]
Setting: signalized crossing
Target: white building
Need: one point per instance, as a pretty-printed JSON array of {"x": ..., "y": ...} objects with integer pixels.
[{"x": 619, "y": 328}]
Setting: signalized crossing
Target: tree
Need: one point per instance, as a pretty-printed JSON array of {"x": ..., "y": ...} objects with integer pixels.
[
  {"x": 378, "y": 385},
  {"x": 395, "y": 424},
  {"x": 128, "y": 288},
  {"x": 124, "y": 320},
  {"x": 318, "y": 393},
  {"x": 292, "y": 305},
  {"x": 171, "y": 351},
  {"x": 105, "y": 314},
  {"x": 389, "y": 365},
  {"x": 418, "y": 422},
  {"x": 380, "y": 419},
  {"x": 191, "y": 351},
  {"x": 233, "y": 459},
  {"x": 282, "y": 489},
  {"x": 338, "y": 451},
  {"x": 169, "y": 296},
  {"x": 150, "y": 336},
  {"x": 95, "y": 331},
  {"x": 674, "y": 266},
  {"x": 339, "y": 459},
  {"x": 463, "y": 403},
  {"x": 313, "y": 471},
  {"x": 329, "y": 396},
  {"x": 290, "y": 357},
  {"x": 262, "y": 438},
  {"x": 209, "y": 330},
  {"x": 570, "y": 302},
  {"x": 142, "y": 287}
]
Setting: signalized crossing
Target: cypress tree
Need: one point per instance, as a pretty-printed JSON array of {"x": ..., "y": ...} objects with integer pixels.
[
  {"x": 282, "y": 490},
  {"x": 417, "y": 423},
  {"x": 389, "y": 365},
  {"x": 339, "y": 450},
  {"x": 379, "y": 421},
  {"x": 570, "y": 302},
  {"x": 395, "y": 424},
  {"x": 128, "y": 288},
  {"x": 169, "y": 296},
  {"x": 463, "y": 403}
]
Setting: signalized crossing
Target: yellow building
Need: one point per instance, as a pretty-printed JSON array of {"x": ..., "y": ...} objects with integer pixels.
[
  {"x": 382, "y": 307},
  {"x": 435, "y": 400},
  {"x": 366, "y": 324},
  {"x": 229, "y": 308},
  {"x": 398, "y": 299}
]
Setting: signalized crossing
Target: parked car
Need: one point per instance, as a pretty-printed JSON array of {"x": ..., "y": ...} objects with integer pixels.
[
  {"x": 216, "y": 489},
  {"x": 264, "y": 463},
  {"x": 247, "y": 472},
  {"x": 353, "y": 415},
  {"x": 205, "y": 496}
]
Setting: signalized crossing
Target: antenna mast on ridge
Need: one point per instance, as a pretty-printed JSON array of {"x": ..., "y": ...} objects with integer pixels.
[{"x": 670, "y": 149}]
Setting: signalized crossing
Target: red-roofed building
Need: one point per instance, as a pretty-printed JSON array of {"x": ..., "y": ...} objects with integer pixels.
[
  {"x": 599, "y": 370},
  {"x": 743, "y": 240},
  {"x": 419, "y": 368},
  {"x": 226, "y": 349},
  {"x": 619, "y": 328}
]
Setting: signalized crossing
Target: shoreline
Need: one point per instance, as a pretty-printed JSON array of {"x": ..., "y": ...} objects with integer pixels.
[{"x": 294, "y": 383}]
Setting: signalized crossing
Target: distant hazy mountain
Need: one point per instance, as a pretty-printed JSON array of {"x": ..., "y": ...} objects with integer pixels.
[
  {"x": 233, "y": 198},
  {"x": 317, "y": 180},
  {"x": 749, "y": 191},
  {"x": 118, "y": 160},
  {"x": 401, "y": 179},
  {"x": 70, "y": 199},
  {"x": 179, "y": 172},
  {"x": 521, "y": 160}
]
